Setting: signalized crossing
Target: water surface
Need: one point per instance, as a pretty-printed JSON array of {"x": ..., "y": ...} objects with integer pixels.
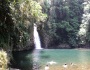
[{"x": 61, "y": 56}]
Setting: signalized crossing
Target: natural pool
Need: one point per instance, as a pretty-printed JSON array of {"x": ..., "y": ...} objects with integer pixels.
[{"x": 26, "y": 59}]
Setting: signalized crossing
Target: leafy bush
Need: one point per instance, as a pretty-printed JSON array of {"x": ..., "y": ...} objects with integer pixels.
[{"x": 3, "y": 60}]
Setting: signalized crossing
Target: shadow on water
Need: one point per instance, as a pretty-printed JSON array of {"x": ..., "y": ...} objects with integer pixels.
[
  {"x": 27, "y": 60},
  {"x": 23, "y": 60},
  {"x": 43, "y": 55}
]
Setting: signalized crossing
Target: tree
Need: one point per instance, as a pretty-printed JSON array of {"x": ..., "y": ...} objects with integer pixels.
[
  {"x": 17, "y": 19},
  {"x": 64, "y": 19}
]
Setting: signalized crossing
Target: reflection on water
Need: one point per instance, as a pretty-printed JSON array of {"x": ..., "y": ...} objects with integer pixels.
[
  {"x": 26, "y": 60},
  {"x": 23, "y": 60},
  {"x": 36, "y": 55}
]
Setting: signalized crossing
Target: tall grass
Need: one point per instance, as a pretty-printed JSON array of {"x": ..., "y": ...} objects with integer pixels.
[{"x": 3, "y": 60}]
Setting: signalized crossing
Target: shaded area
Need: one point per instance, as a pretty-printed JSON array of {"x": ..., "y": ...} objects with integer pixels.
[
  {"x": 26, "y": 60},
  {"x": 22, "y": 60},
  {"x": 63, "y": 24}
]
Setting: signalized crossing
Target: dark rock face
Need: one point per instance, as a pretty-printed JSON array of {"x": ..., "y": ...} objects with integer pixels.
[
  {"x": 64, "y": 46},
  {"x": 45, "y": 38},
  {"x": 87, "y": 46}
]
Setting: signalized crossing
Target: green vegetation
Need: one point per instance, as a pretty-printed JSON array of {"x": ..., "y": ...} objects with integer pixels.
[
  {"x": 3, "y": 60},
  {"x": 16, "y": 22},
  {"x": 58, "y": 21},
  {"x": 61, "y": 27},
  {"x": 63, "y": 24},
  {"x": 17, "y": 18}
]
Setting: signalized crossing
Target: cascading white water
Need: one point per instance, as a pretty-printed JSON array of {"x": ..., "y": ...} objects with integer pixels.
[
  {"x": 36, "y": 38},
  {"x": 85, "y": 22}
]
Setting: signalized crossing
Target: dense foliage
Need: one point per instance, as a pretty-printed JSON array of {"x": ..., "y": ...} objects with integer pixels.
[
  {"x": 16, "y": 22},
  {"x": 61, "y": 28},
  {"x": 3, "y": 60},
  {"x": 63, "y": 24},
  {"x": 6, "y": 25}
]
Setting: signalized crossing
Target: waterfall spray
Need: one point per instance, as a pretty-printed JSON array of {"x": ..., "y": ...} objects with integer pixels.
[{"x": 36, "y": 38}]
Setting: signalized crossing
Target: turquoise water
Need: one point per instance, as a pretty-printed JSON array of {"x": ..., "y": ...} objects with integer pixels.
[{"x": 61, "y": 56}]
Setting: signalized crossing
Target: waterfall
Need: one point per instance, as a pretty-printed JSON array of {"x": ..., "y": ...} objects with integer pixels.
[
  {"x": 85, "y": 22},
  {"x": 36, "y": 38}
]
